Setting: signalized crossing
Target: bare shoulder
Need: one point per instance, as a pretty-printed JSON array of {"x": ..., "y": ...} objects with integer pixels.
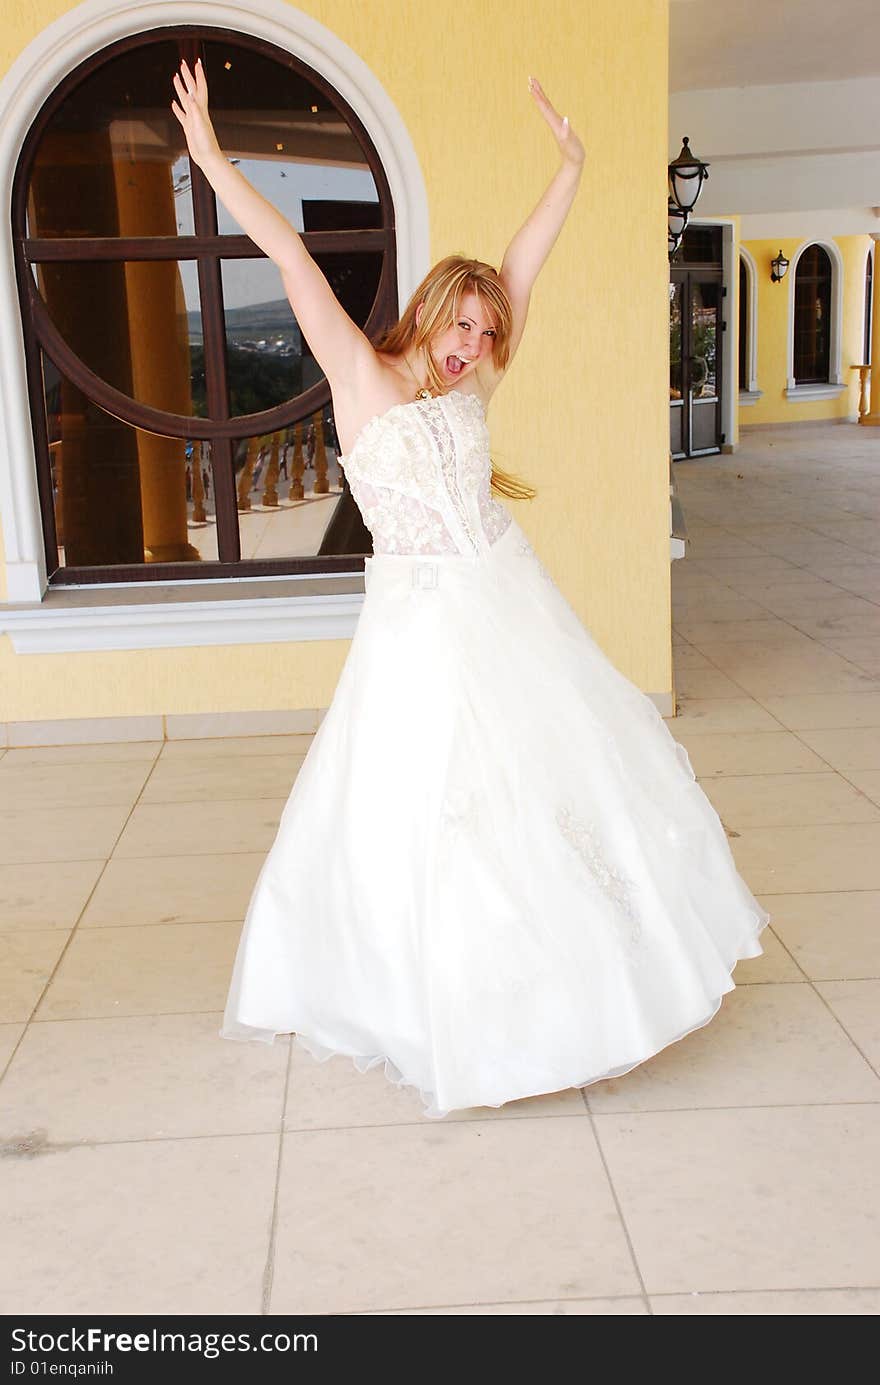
[{"x": 378, "y": 385}]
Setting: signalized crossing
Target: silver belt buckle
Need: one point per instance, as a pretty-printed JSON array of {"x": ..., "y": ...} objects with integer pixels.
[{"x": 425, "y": 575}]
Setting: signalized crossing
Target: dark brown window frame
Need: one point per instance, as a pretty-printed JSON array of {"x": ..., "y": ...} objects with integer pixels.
[{"x": 207, "y": 248}]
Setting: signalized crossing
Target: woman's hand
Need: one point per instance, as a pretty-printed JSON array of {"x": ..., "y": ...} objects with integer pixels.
[
  {"x": 570, "y": 147},
  {"x": 192, "y": 112}
]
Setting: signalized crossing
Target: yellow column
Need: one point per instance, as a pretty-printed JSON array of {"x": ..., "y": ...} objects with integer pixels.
[
  {"x": 160, "y": 364},
  {"x": 872, "y": 417}
]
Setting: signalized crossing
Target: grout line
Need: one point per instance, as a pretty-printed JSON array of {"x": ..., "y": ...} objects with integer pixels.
[
  {"x": 269, "y": 1268},
  {"x": 63, "y": 953},
  {"x": 617, "y": 1203}
]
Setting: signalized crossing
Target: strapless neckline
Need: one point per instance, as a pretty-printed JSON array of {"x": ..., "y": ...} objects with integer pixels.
[{"x": 408, "y": 404}]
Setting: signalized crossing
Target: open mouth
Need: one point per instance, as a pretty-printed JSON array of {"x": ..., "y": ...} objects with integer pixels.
[{"x": 455, "y": 364}]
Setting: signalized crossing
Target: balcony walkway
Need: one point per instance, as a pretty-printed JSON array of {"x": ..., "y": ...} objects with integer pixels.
[{"x": 153, "y": 1168}]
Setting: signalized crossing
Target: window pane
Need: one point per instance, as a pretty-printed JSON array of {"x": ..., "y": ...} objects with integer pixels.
[
  {"x": 268, "y": 360},
  {"x": 289, "y": 141},
  {"x": 112, "y": 160},
  {"x": 812, "y": 316},
  {"x": 122, "y": 495},
  {"x": 147, "y": 338},
  {"x": 291, "y": 493}
]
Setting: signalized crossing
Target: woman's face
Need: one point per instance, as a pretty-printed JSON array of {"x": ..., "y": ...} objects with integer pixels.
[{"x": 459, "y": 350}]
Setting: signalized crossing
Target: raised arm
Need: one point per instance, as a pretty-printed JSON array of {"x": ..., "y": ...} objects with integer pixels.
[
  {"x": 535, "y": 239},
  {"x": 337, "y": 343}
]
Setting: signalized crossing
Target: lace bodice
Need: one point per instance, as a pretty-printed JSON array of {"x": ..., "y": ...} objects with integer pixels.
[{"x": 420, "y": 475}]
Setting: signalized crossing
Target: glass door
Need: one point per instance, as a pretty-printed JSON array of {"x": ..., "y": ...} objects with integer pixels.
[{"x": 695, "y": 335}]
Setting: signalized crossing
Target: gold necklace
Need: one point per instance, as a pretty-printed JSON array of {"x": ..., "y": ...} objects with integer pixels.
[{"x": 422, "y": 391}]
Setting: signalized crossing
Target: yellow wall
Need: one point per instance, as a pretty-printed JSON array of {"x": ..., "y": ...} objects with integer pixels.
[
  {"x": 772, "y": 318},
  {"x": 584, "y": 416}
]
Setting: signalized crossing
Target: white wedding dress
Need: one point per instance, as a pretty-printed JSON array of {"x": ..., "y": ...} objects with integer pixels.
[{"x": 496, "y": 873}]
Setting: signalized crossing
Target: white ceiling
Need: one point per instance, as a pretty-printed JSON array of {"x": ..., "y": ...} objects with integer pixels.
[{"x": 743, "y": 43}]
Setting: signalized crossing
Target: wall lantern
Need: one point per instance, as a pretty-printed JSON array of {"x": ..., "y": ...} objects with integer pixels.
[
  {"x": 778, "y": 267},
  {"x": 687, "y": 175},
  {"x": 677, "y": 221}
]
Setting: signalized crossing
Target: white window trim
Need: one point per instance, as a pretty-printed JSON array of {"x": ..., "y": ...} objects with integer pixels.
[
  {"x": 834, "y": 386},
  {"x": 56, "y": 50},
  {"x": 751, "y": 392},
  {"x": 77, "y": 624}
]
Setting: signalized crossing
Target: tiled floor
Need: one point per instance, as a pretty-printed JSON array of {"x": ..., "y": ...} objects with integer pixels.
[{"x": 152, "y": 1167}]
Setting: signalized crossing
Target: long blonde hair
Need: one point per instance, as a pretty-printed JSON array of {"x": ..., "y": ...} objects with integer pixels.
[{"x": 440, "y": 291}]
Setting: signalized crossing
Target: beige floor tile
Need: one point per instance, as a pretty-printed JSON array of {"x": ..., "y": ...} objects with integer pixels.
[
  {"x": 26, "y": 963},
  {"x": 700, "y": 606},
  {"x": 768, "y": 1045},
  {"x": 56, "y": 834},
  {"x": 862, "y": 651},
  {"x": 790, "y": 1303},
  {"x": 221, "y": 777},
  {"x": 415, "y": 1216},
  {"x": 112, "y": 753},
  {"x": 867, "y": 781},
  {"x": 196, "y": 829},
  {"x": 857, "y": 1005},
  {"x": 856, "y": 748},
  {"x": 9, "y": 1037},
  {"x": 174, "y": 889},
  {"x": 178, "y": 968},
  {"x": 826, "y": 711},
  {"x": 326, "y": 1095},
  {"x": 774, "y": 964},
  {"x": 788, "y": 800},
  {"x": 176, "y": 1226},
  {"x": 685, "y": 657},
  {"x": 832, "y": 936},
  {"x": 763, "y": 565},
  {"x": 71, "y": 786},
  {"x": 746, "y": 752},
  {"x": 750, "y": 1198},
  {"x": 703, "y": 681},
  {"x": 711, "y": 632},
  {"x": 797, "y": 860},
  {"x": 224, "y": 746},
  {"x": 560, "y": 1308},
  {"x": 863, "y": 625},
  {"x": 700, "y": 715},
  {"x": 140, "y": 1078},
  {"x": 34, "y": 896},
  {"x": 765, "y": 670}
]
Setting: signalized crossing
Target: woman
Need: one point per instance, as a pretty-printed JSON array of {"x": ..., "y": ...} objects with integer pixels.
[{"x": 496, "y": 873}]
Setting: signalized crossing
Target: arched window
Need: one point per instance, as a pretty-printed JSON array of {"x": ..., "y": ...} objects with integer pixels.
[
  {"x": 181, "y": 424},
  {"x": 869, "y": 290},
  {"x": 812, "y": 317}
]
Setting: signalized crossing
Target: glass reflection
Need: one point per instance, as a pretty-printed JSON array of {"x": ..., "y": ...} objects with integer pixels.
[
  {"x": 268, "y": 359},
  {"x": 675, "y": 372},
  {"x": 112, "y": 160},
  {"x": 122, "y": 495},
  {"x": 289, "y": 141},
  {"x": 289, "y": 487},
  {"x": 705, "y": 299},
  {"x": 147, "y": 338}
]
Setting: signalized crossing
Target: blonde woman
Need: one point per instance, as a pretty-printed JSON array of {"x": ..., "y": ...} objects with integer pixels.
[{"x": 496, "y": 873}]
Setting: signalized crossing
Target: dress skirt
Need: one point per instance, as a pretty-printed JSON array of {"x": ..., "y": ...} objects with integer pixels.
[{"x": 496, "y": 873}]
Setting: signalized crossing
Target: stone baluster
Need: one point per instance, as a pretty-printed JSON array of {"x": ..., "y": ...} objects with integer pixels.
[
  {"x": 322, "y": 485},
  {"x": 270, "y": 488},
  {"x": 296, "y": 479},
  {"x": 246, "y": 475},
  {"x": 199, "y": 514}
]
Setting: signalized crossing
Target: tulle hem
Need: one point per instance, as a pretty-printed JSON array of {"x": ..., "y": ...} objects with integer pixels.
[{"x": 750, "y": 947}]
